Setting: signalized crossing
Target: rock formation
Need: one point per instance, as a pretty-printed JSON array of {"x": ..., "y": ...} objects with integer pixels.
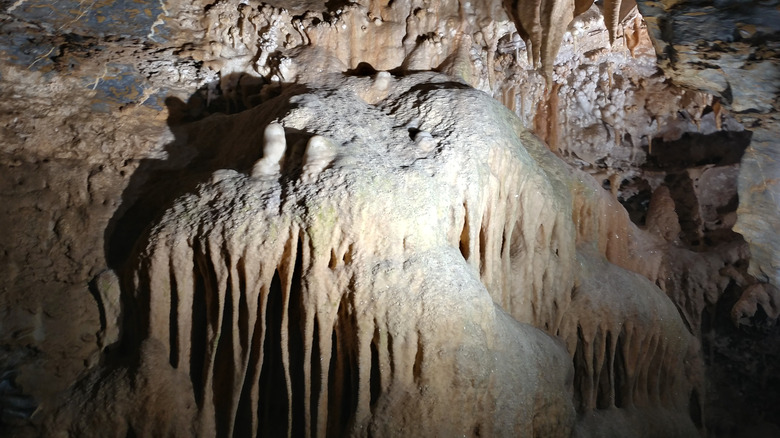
[
  {"x": 424, "y": 218},
  {"x": 348, "y": 308},
  {"x": 730, "y": 50}
]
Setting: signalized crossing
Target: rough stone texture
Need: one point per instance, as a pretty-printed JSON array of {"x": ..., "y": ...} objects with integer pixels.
[
  {"x": 628, "y": 364},
  {"x": 89, "y": 164},
  {"x": 727, "y": 48},
  {"x": 374, "y": 283},
  {"x": 759, "y": 194},
  {"x": 303, "y": 282},
  {"x": 144, "y": 398},
  {"x": 730, "y": 49}
]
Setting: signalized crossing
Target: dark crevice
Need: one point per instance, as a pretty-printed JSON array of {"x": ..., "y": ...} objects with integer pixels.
[
  {"x": 580, "y": 373},
  {"x": 296, "y": 318},
  {"x": 343, "y": 374},
  {"x": 273, "y": 400},
  {"x": 634, "y": 195},
  {"x": 335, "y": 387},
  {"x": 694, "y": 149},
  {"x": 517, "y": 243},
  {"x": 482, "y": 250},
  {"x": 418, "y": 360},
  {"x": 686, "y": 205},
  {"x": 347, "y": 258},
  {"x": 464, "y": 236},
  {"x": 198, "y": 331},
  {"x": 695, "y": 410},
  {"x": 316, "y": 377},
  {"x": 620, "y": 372},
  {"x": 375, "y": 383},
  {"x": 173, "y": 318},
  {"x": 604, "y": 398}
]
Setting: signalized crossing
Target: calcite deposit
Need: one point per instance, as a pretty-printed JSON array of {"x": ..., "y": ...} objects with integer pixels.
[
  {"x": 404, "y": 218},
  {"x": 296, "y": 303}
]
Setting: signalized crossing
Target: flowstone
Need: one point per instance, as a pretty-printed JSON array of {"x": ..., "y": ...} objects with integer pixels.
[
  {"x": 400, "y": 269},
  {"x": 342, "y": 295}
]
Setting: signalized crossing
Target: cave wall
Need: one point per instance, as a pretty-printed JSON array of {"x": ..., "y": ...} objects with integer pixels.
[
  {"x": 729, "y": 49},
  {"x": 121, "y": 102}
]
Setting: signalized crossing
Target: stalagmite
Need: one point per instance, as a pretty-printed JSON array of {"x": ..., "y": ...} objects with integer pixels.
[
  {"x": 274, "y": 145},
  {"x": 661, "y": 216},
  {"x": 319, "y": 154},
  {"x": 425, "y": 141},
  {"x": 382, "y": 80}
]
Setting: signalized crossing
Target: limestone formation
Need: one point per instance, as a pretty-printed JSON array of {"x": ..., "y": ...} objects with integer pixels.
[
  {"x": 764, "y": 295},
  {"x": 319, "y": 154},
  {"x": 302, "y": 305},
  {"x": 542, "y": 24},
  {"x": 273, "y": 218},
  {"x": 274, "y": 146},
  {"x": 631, "y": 357},
  {"x": 314, "y": 309},
  {"x": 147, "y": 398}
]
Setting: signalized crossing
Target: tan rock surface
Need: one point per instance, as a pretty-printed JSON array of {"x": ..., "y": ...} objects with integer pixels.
[
  {"x": 89, "y": 164},
  {"x": 367, "y": 314}
]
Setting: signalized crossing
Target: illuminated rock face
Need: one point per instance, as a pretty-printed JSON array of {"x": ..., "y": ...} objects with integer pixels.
[
  {"x": 352, "y": 296},
  {"x": 367, "y": 252},
  {"x": 344, "y": 298}
]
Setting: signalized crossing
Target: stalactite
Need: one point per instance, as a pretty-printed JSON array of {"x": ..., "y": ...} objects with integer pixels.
[
  {"x": 602, "y": 220},
  {"x": 633, "y": 34},
  {"x": 612, "y": 18},
  {"x": 629, "y": 355},
  {"x": 542, "y": 24},
  {"x": 546, "y": 121}
]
